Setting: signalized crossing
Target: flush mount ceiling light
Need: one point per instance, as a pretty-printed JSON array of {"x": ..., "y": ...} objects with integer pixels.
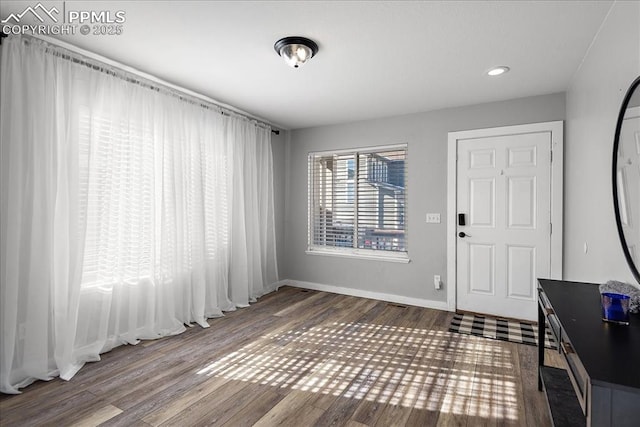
[
  {"x": 496, "y": 71},
  {"x": 296, "y": 50}
]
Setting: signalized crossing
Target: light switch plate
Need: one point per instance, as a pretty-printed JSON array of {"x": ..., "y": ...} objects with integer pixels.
[{"x": 433, "y": 218}]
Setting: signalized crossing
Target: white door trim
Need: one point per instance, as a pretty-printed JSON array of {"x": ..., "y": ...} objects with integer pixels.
[{"x": 557, "y": 166}]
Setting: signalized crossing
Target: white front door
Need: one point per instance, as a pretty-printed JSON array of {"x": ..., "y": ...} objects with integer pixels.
[{"x": 504, "y": 192}]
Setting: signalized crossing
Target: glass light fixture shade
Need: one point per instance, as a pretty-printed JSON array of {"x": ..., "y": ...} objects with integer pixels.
[
  {"x": 296, "y": 50},
  {"x": 295, "y": 54}
]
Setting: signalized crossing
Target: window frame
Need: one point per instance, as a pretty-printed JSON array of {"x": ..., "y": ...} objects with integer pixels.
[{"x": 354, "y": 252}]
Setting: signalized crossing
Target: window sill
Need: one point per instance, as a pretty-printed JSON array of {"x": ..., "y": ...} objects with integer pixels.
[{"x": 401, "y": 257}]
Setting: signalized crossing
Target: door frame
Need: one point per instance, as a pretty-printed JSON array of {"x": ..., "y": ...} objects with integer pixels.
[{"x": 556, "y": 129}]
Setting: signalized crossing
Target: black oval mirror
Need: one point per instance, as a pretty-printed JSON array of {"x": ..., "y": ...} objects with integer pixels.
[{"x": 626, "y": 176}]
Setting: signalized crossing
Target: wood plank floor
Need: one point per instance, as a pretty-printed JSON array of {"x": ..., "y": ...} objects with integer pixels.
[{"x": 299, "y": 358}]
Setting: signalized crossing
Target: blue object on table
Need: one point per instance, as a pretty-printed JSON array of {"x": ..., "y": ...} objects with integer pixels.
[{"x": 615, "y": 308}]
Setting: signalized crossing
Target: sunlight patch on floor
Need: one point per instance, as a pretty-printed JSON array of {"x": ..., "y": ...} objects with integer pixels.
[{"x": 417, "y": 368}]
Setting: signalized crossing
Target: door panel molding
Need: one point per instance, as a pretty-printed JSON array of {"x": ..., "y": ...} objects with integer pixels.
[
  {"x": 482, "y": 282},
  {"x": 521, "y": 264},
  {"x": 556, "y": 129}
]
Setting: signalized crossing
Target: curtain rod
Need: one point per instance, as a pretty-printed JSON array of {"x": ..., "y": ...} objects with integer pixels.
[{"x": 123, "y": 71}]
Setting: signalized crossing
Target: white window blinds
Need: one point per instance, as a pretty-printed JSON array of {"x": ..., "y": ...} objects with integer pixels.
[
  {"x": 357, "y": 200},
  {"x": 116, "y": 209}
]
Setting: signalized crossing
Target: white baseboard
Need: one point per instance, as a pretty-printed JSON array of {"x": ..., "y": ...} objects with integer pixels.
[
  {"x": 279, "y": 284},
  {"x": 397, "y": 299}
]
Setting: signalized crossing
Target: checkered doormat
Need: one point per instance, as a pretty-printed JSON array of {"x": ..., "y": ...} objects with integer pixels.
[{"x": 500, "y": 329}]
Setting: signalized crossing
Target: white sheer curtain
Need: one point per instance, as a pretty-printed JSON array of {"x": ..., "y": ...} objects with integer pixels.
[{"x": 126, "y": 212}]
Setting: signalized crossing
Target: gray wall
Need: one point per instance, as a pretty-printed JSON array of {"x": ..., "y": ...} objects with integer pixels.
[
  {"x": 426, "y": 135},
  {"x": 593, "y": 101}
]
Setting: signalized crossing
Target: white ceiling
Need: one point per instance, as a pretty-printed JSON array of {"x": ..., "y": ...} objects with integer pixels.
[{"x": 376, "y": 59}]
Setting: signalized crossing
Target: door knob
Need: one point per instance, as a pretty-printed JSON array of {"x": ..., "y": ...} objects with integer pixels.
[{"x": 462, "y": 234}]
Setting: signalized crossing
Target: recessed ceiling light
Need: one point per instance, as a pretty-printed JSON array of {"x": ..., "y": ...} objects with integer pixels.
[{"x": 496, "y": 71}]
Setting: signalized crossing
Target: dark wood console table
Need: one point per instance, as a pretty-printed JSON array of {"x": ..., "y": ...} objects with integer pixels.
[{"x": 601, "y": 385}]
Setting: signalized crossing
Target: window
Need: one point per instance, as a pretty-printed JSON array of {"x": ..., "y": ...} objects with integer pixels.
[
  {"x": 135, "y": 213},
  {"x": 357, "y": 202}
]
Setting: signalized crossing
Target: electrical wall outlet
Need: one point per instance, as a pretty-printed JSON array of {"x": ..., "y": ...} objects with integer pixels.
[
  {"x": 436, "y": 281},
  {"x": 433, "y": 218}
]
